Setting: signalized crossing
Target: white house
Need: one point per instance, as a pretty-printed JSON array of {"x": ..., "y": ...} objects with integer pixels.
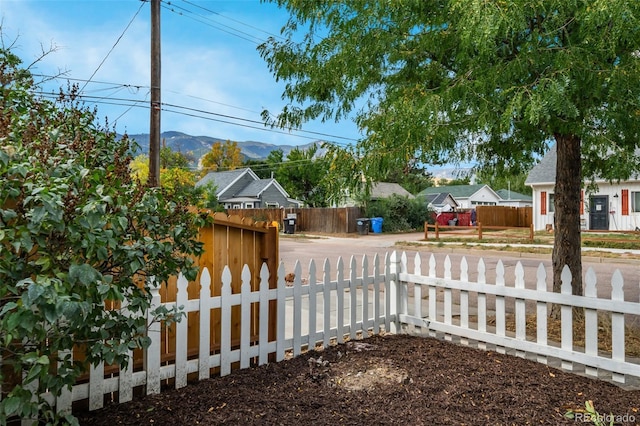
[
  {"x": 615, "y": 206},
  {"x": 467, "y": 196}
]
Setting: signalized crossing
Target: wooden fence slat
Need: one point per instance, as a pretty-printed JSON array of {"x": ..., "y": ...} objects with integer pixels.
[
  {"x": 353, "y": 298},
  {"x": 482, "y": 302},
  {"x": 541, "y": 311},
  {"x": 264, "y": 314},
  {"x": 433, "y": 295},
  {"x": 182, "y": 330},
  {"x": 500, "y": 306},
  {"x": 326, "y": 296},
  {"x": 341, "y": 285},
  {"x": 617, "y": 324},
  {"x": 313, "y": 301},
  {"x": 366, "y": 284},
  {"x": 205, "y": 321},
  {"x": 225, "y": 323},
  {"x": 152, "y": 353},
  {"x": 464, "y": 298},
  {"x": 65, "y": 399},
  {"x": 246, "y": 320},
  {"x": 591, "y": 321},
  {"x": 566, "y": 318},
  {"x": 520, "y": 309},
  {"x": 376, "y": 294},
  {"x": 281, "y": 314},
  {"x": 297, "y": 310}
]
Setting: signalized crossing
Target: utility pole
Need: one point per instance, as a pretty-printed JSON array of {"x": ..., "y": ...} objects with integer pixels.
[{"x": 154, "y": 129}]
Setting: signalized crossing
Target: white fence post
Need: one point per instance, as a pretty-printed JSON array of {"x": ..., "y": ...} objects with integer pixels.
[
  {"x": 204, "y": 347},
  {"x": 313, "y": 303},
  {"x": 617, "y": 324},
  {"x": 225, "y": 322},
  {"x": 182, "y": 330},
  {"x": 340, "y": 286},
  {"x": 520, "y": 308},
  {"x": 433, "y": 295},
  {"x": 265, "y": 315},
  {"x": 566, "y": 318},
  {"x": 326, "y": 297},
  {"x": 353, "y": 298},
  {"x": 541, "y": 312},
  {"x": 394, "y": 292},
  {"x": 500, "y": 306},
  {"x": 245, "y": 318}
]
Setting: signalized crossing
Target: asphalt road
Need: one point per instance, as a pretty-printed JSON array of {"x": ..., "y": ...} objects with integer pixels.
[{"x": 298, "y": 248}]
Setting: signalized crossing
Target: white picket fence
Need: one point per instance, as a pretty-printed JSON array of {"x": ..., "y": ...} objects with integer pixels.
[{"x": 378, "y": 296}]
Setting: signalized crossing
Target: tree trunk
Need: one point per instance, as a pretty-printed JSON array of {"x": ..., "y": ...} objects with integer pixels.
[{"x": 567, "y": 244}]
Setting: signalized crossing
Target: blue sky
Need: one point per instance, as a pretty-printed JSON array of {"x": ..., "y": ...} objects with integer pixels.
[{"x": 209, "y": 63}]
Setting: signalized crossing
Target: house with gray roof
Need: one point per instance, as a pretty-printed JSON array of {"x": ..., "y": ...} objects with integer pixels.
[
  {"x": 514, "y": 199},
  {"x": 380, "y": 190},
  {"x": 467, "y": 196},
  {"x": 440, "y": 202},
  {"x": 615, "y": 205},
  {"x": 243, "y": 189}
]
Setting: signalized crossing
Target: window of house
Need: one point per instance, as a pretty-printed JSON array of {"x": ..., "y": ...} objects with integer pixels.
[
  {"x": 552, "y": 202},
  {"x": 635, "y": 202},
  {"x": 272, "y": 205},
  {"x": 248, "y": 205}
]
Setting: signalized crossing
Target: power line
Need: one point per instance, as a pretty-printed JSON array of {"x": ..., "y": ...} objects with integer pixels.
[
  {"x": 113, "y": 47},
  {"x": 231, "y": 19},
  {"x": 206, "y": 21},
  {"x": 205, "y": 115}
]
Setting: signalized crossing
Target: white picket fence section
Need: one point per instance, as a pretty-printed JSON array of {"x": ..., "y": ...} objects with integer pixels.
[{"x": 373, "y": 298}]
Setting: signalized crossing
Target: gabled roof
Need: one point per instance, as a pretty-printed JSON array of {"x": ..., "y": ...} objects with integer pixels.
[
  {"x": 507, "y": 194},
  {"x": 545, "y": 171},
  {"x": 457, "y": 191},
  {"x": 439, "y": 199},
  {"x": 387, "y": 189},
  {"x": 223, "y": 180},
  {"x": 257, "y": 187}
]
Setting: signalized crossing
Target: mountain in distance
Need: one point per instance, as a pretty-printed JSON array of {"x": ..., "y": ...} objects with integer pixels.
[
  {"x": 252, "y": 150},
  {"x": 200, "y": 145}
]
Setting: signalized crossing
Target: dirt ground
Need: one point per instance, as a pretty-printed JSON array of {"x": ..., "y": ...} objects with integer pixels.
[{"x": 383, "y": 380}]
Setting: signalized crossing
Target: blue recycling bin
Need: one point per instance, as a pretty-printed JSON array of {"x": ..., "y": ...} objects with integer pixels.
[{"x": 376, "y": 225}]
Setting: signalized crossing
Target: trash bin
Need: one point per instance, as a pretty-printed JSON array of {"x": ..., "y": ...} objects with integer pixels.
[
  {"x": 290, "y": 225},
  {"x": 363, "y": 225},
  {"x": 376, "y": 225}
]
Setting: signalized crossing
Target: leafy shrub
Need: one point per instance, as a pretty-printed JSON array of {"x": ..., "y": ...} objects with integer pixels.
[
  {"x": 75, "y": 232},
  {"x": 399, "y": 213}
]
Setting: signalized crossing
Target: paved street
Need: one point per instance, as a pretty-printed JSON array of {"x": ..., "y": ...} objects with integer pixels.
[{"x": 297, "y": 248}]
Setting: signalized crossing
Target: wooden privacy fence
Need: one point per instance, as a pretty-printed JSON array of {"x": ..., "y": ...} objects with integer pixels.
[
  {"x": 325, "y": 220},
  {"x": 367, "y": 300},
  {"x": 231, "y": 242},
  {"x": 505, "y": 216}
]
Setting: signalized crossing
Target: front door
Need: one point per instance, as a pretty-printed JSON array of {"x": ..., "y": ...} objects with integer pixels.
[{"x": 599, "y": 212}]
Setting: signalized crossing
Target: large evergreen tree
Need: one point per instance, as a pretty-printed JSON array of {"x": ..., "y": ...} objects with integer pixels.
[{"x": 495, "y": 82}]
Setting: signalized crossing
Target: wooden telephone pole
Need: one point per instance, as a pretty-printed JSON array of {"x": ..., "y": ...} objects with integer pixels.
[{"x": 154, "y": 129}]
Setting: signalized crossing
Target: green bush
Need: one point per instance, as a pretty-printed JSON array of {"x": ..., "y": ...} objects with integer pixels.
[
  {"x": 75, "y": 231},
  {"x": 399, "y": 213}
]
